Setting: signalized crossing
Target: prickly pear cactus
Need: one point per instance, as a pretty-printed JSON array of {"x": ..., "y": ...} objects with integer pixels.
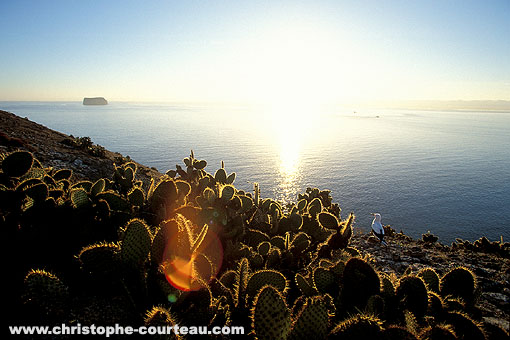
[
  {"x": 136, "y": 243},
  {"x": 263, "y": 278},
  {"x": 271, "y": 319},
  {"x": 412, "y": 295},
  {"x": 45, "y": 292},
  {"x": 431, "y": 279},
  {"x": 312, "y": 322},
  {"x": 204, "y": 252},
  {"x": 100, "y": 259},
  {"x": 360, "y": 281},
  {"x": 459, "y": 282},
  {"x": 360, "y": 326},
  {"x": 17, "y": 163}
]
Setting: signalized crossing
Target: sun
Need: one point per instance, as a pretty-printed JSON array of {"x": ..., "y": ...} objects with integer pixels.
[{"x": 296, "y": 66}]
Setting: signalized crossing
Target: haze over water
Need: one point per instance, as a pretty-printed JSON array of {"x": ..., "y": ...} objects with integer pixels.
[{"x": 443, "y": 171}]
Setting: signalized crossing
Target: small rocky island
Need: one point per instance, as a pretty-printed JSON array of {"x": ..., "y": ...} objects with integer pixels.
[{"x": 95, "y": 101}]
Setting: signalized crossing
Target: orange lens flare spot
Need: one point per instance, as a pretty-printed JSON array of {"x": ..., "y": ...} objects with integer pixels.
[
  {"x": 179, "y": 273},
  {"x": 186, "y": 271}
]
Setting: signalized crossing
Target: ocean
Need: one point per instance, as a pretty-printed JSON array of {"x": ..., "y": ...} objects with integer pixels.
[{"x": 447, "y": 172}]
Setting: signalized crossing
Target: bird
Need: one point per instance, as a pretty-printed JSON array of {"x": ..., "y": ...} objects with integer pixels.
[{"x": 377, "y": 227}]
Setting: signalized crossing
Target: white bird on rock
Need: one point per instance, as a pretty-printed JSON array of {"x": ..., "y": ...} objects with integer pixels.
[{"x": 377, "y": 227}]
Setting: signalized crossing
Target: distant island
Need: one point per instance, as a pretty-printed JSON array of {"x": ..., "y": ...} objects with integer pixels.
[{"x": 95, "y": 101}]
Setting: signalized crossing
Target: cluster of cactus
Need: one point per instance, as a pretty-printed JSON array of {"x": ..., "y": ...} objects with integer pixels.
[
  {"x": 85, "y": 143},
  {"x": 195, "y": 250},
  {"x": 485, "y": 246},
  {"x": 429, "y": 237}
]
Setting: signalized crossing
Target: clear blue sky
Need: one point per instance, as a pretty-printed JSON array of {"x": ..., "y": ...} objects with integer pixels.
[{"x": 254, "y": 50}]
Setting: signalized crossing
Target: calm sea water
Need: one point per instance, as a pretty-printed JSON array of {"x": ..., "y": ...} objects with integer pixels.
[{"x": 447, "y": 172}]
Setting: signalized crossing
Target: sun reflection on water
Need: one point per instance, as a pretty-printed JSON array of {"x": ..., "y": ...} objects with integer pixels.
[{"x": 290, "y": 124}]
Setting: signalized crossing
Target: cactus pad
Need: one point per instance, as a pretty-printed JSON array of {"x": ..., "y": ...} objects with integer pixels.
[
  {"x": 136, "y": 243},
  {"x": 263, "y": 278},
  {"x": 312, "y": 322},
  {"x": 270, "y": 315},
  {"x": 459, "y": 282},
  {"x": 17, "y": 163}
]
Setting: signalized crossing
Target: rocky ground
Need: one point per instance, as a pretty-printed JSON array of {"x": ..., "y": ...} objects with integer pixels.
[
  {"x": 58, "y": 150},
  {"x": 404, "y": 254},
  {"x": 401, "y": 255}
]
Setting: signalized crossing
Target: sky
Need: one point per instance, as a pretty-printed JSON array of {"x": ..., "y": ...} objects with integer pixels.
[{"x": 307, "y": 52}]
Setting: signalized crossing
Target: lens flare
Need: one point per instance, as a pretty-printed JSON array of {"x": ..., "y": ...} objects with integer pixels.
[{"x": 188, "y": 270}]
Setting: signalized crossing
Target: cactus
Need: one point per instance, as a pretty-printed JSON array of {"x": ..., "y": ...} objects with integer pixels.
[
  {"x": 494, "y": 332},
  {"x": 220, "y": 175},
  {"x": 328, "y": 220},
  {"x": 300, "y": 243},
  {"x": 410, "y": 321},
  {"x": 304, "y": 286},
  {"x": 38, "y": 192},
  {"x": 360, "y": 326},
  {"x": 256, "y": 192},
  {"x": 324, "y": 280},
  {"x": 255, "y": 237},
  {"x": 312, "y": 321},
  {"x": 87, "y": 185},
  {"x": 387, "y": 287},
  {"x": 258, "y": 243},
  {"x": 278, "y": 241},
  {"x": 375, "y": 305},
  {"x": 124, "y": 177},
  {"x": 464, "y": 326},
  {"x": 412, "y": 295},
  {"x": 227, "y": 193},
  {"x": 115, "y": 201},
  {"x": 263, "y": 248},
  {"x": 165, "y": 232},
  {"x": 396, "y": 332},
  {"x": 438, "y": 332},
  {"x": 360, "y": 281},
  {"x": 45, "y": 292},
  {"x": 246, "y": 204},
  {"x": 62, "y": 174},
  {"x": 228, "y": 279},
  {"x": 97, "y": 187},
  {"x": 200, "y": 164},
  {"x": 183, "y": 189},
  {"x": 164, "y": 193},
  {"x": 451, "y": 303},
  {"x": 100, "y": 260},
  {"x": 263, "y": 278},
  {"x": 17, "y": 163},
  {"x": 136, "y": 243},
  {"x": 431, "y": 279},
  {"x": 270, "y": 315},
  {"x": 435, "y": 305},
  {"x": 340, "y": 239},
  {"x": 315, "y": 207},
  {"x": 79, "y": 198},
  {"x": 158, "y": 316},
  {"x": 459, "y": 282},
  {"x": 273, "y": 258},
  {"x": 338, "y": 268},
  {"x": 242, "y": 276},
  {"x": 136, "y": 197}
]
